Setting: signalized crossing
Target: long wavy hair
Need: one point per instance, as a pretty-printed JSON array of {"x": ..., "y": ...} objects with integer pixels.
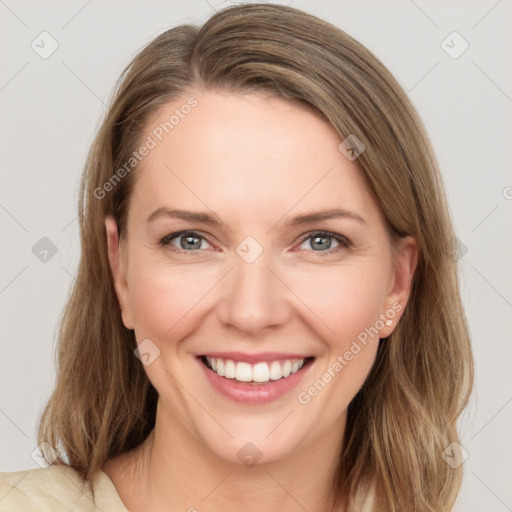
[{"x": 405, "y": 414}]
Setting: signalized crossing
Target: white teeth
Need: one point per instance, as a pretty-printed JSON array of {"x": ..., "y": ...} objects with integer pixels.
[
  {"x": 297, "y": 365},
  {"x": 220, "y": 367},
  {"x": 275, "y": 371},
  {"x": 243, "y": 372},
  {"x": 260, "y": 372},
  {"x": 287, "y": 368},
  {"x": 229, "y": 370}
]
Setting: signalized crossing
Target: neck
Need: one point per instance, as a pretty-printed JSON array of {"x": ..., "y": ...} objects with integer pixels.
[{"x": 172, "y": 470}]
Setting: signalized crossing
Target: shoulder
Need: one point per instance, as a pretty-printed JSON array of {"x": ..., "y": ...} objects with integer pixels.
[
  {"x": 56, "y": 488},
  {"x": 53, "y": 488}
]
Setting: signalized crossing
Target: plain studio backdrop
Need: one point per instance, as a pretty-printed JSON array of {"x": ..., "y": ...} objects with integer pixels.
[{"x": 60, "y": 61}]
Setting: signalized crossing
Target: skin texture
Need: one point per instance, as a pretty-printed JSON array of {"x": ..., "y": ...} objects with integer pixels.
[{"x": 255, "y": 162}]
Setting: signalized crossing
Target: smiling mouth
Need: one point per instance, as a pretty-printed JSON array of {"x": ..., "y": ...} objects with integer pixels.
[{"x": 258, "y": 373}]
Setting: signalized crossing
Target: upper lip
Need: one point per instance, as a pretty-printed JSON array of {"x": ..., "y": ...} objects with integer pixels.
[{"x": 255, "y": 358}]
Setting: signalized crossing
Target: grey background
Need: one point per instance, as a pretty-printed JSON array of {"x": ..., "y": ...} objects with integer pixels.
[{"x": 51, "y": 109}]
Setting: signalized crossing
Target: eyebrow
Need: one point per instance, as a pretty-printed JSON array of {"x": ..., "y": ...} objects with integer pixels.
[
  {"x": 212, "y": 219},
  {"x": 338, "y": 213}
]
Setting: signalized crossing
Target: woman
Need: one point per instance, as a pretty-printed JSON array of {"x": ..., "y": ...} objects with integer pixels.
[{"x": 266, "y": 315}]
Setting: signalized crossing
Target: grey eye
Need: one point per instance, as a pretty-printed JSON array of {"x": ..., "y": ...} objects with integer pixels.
[
  {"x": 320, "y": 242},
  {"x": 189, "y": 241}
]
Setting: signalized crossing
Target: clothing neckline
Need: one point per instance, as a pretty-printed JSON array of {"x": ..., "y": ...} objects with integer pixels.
[{"x": 105, "y": 493}]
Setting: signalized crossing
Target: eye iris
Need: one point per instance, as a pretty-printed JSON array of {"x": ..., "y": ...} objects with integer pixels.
[
  {"x": 321, "y": 242},
  {"x": 193, "y": 241}
]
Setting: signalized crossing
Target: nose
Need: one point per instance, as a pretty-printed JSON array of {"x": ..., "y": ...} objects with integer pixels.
[{"x": 254, "y": 298}]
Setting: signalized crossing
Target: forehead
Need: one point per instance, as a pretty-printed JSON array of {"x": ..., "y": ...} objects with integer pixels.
[{"x": 249, "y": 157}]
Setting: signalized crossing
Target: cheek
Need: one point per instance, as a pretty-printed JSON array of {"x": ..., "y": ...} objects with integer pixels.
[
  {"x": 345, "y": 300},
  {"x": 162, "y": 297},
  {"x": 348, "y": 303}
]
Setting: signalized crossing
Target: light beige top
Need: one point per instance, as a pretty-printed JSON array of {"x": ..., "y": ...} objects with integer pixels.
[
  {"x": 61, "y": 489},
  {"x": 57, "y": 489}
]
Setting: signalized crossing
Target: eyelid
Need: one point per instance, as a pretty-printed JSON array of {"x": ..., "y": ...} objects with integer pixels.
[
  {"x": 341, "y": 239},
  {"x": 166, "y": 240}
]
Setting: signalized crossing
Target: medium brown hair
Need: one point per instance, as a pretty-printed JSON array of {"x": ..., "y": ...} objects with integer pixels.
[{"x": 405, "y": 414}]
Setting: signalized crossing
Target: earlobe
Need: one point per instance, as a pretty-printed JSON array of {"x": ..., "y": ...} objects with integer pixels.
[
  {"x": 405, "y": 263},
  {"x": 117, "y": 268}
]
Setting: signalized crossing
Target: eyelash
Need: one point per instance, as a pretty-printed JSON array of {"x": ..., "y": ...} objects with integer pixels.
[{"x": 343, "y": 241}]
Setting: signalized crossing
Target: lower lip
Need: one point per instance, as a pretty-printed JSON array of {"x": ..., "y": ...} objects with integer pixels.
[{"x": 248, "y": 393}]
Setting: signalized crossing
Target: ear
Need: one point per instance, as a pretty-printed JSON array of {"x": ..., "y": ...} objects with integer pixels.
[
  {"x": 399, "y": 284},
  {"x": 117, "y": 262}
]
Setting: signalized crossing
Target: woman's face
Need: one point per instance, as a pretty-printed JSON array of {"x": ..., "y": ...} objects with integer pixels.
[{"x": 229, "y": 256}]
